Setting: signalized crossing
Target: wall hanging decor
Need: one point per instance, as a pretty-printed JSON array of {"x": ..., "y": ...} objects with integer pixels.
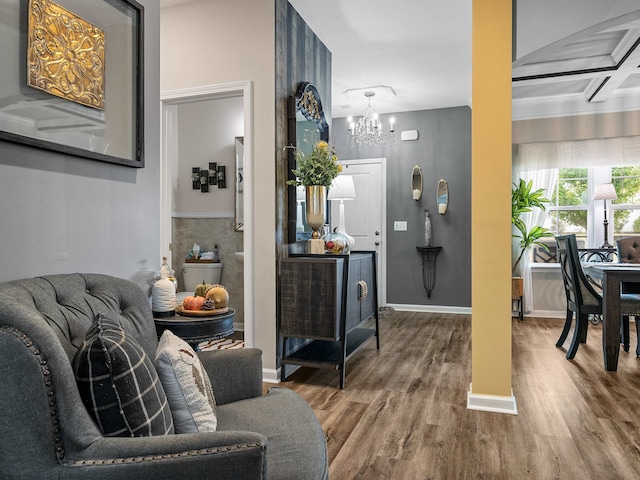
[
  {"x": 65, "y": 54},
  {"x": 202, "y": 178},
  {"x": 442, "y": 196},
  {"x": 83, "y": 90},
  {"x": 416, "y": 183}
]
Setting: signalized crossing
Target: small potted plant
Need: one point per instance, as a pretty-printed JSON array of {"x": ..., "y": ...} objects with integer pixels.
[
  {"x": 524, "y": 199},
  {"x": 315, "y": 171}
]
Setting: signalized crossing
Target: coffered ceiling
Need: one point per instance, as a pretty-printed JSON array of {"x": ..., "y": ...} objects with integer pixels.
[
  {"x": 574, "y": 57},
  {"x": 595, "y": 70}
]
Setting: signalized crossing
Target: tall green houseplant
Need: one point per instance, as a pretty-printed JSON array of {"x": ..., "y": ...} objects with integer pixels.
[{"x": 524, "y": 199}]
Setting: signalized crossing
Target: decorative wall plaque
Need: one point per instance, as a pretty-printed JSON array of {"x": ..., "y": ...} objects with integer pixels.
[{"x": 65, "y": 54}]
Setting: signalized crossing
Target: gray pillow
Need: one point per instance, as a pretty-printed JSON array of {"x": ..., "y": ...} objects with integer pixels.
[
  {"x": 119, "y": 384},
  {"x": 186, "y": 384}
]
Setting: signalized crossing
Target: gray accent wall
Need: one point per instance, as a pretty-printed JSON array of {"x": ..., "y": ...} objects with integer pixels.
[
  {"x": 443, "y": 150},
  {"x": 63, "y": 214}
]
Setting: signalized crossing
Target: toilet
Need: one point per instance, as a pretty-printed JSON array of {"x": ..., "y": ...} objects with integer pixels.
[{"x": 194, "y": 274}]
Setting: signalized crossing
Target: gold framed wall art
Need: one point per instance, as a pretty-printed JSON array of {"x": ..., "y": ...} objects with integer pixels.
[
  {"x": 65, "y": 54},
  {"x": 72, "y": 78}
]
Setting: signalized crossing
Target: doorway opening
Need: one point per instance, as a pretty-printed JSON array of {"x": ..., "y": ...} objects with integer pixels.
[
  {"x": 366, "y": 215},
  {"x": 170, "y": 101}
]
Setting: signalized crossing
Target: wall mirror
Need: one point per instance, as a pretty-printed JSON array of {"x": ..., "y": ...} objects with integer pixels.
[
  {"x": 238, "y": 222},
  {"x": 416, "y": 182},
  {"x": 306, "y": 125},
  {"x": 442, "y": 196}
]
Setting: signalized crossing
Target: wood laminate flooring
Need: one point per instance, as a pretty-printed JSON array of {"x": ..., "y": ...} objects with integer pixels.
[{"x": 403, "y": 415}]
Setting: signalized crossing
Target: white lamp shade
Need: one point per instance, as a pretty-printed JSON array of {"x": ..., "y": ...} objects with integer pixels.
[
  {"x": 605, "y": 191},
  {"x": 300, "y": 194},
  {"x": 342, "y": 188}
]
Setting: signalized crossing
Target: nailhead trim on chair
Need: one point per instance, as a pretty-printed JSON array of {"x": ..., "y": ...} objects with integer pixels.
[
  {"x": 55, "y": 422},
  {"x": 48, "y": 385},
  {"x": 165, "y": 456}
]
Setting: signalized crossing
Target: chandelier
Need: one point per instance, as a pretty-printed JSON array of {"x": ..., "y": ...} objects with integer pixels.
[{"x": 368, "y": 130}]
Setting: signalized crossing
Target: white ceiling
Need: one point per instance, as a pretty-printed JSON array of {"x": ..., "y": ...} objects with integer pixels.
[{"x": 422, "y": 50}]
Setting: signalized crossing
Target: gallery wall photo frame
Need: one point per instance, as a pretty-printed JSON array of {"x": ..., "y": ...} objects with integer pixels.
[{"x": 72, "y": 79}]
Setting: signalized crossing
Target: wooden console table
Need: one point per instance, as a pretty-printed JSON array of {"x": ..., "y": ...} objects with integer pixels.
[{"x": 326, "y": 299}]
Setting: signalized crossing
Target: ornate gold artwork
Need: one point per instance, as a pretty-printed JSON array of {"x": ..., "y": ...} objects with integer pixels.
[
  {"x": 65, "y": 54},
  {"x": 309, "y": 104}
]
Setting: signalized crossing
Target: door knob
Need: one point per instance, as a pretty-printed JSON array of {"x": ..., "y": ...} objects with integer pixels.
[
  {"x": 377, "y": 243},
  {"x": 377, "y": 232}
]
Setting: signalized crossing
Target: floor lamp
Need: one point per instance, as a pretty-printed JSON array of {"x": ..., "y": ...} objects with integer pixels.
[
  {"x": 605, "y": 191},
  {"x": 341, "y": 189}
]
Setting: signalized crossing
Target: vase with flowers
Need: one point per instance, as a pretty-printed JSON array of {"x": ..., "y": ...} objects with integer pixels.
[{"x": 315, "y": 170}]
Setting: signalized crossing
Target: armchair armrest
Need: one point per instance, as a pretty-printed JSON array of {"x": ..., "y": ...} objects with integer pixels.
[
  {"x": 235, "y": 374},
  {"x": 225, "y": 455}
]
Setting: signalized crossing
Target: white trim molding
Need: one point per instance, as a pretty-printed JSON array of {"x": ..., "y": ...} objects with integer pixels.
[
  {"x": 202, "y": 214},
  {"x": 546, "y": 314},
  {"x": 271, "y": 375},
  {"x": 491, "y": 403},
  {"x": 430, "y": 308},
  {"x": 169, "y": 100}
]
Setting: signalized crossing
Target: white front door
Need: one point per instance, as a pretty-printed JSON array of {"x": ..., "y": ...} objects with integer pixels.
[{"x": 365, "y": 217}]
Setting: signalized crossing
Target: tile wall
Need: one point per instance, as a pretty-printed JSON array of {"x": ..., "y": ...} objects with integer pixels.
[{"x": 208, "y": 232}]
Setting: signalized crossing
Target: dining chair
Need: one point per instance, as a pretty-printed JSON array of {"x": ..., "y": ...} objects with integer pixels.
[
  {"x": 628, "y": 249},
  {"x": 583, "y": 299}
]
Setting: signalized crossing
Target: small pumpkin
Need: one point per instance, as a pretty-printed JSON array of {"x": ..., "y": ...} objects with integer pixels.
[
  {"x": 193, "y": 302},
  {"x": 201, "y": 289},
  {"x": 219, "y": 295}
]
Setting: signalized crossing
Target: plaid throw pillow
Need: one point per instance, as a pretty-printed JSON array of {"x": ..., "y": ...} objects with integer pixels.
[{"x": 119, "y": 384}]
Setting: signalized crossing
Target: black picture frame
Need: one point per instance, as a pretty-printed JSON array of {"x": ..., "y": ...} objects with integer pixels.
[{"x": 35, "y": 118}]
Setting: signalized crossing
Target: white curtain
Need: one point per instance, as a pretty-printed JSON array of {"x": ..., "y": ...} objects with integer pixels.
[{"x": 544, "y": 178}]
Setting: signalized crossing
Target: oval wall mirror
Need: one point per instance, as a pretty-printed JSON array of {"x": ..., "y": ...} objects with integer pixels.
[
  {"x": 442, "y": 196},
  {"x": 416, "y": 182}
]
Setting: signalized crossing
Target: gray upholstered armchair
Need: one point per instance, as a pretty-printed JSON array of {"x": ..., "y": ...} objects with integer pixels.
[{"x": 47, "y": 432}]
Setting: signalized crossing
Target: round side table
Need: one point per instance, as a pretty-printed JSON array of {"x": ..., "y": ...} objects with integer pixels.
[{"x": 195, "y": 330}]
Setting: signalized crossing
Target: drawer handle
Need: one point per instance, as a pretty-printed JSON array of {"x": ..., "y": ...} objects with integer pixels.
[{"x": 364, "y": 290}]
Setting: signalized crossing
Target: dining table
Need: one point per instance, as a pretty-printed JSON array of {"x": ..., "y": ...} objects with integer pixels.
[{"x": 611, "y": 275}]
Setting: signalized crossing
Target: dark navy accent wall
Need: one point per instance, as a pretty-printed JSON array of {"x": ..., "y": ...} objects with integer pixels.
[
  {"x": 443, "y": 150},
  {"x": 300, "y": 57}
]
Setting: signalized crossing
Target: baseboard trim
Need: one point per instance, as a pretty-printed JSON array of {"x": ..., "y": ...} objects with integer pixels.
[
  {"x": 402, "y": 307},
  {"x": 491, "y": 403},
  {"x": 271, "y": 375},
  {"x": 546, "y": 314}
]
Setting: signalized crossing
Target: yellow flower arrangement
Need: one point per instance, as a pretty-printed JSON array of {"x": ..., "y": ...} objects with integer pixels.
[{"x": 319, "y": 167}]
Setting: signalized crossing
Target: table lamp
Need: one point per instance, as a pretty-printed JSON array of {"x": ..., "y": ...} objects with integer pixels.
[
  {"x": 300, "y": 197},
  {"x": 342, "y": 188},
  {"x": 605, "y": 191}
]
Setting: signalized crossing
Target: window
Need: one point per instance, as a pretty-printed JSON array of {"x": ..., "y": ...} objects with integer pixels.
[
  {"x": 572, "y": 210},
  {"x": 626, "y": 209},
  {"x": 568, "y": 212}
]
